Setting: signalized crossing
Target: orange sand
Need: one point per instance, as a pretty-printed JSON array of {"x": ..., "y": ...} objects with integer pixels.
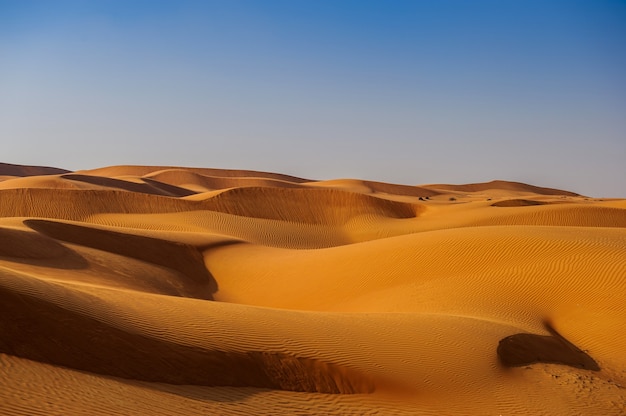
[{"x": 165, "y": 290}]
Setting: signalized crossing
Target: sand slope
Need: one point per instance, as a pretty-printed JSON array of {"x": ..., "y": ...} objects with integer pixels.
[
  {"x": 8, "y": 169},
  {"x": 167, "y": 290}
]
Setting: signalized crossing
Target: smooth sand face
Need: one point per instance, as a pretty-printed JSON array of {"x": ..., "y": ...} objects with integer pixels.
[{"x": 164, "y": 290}]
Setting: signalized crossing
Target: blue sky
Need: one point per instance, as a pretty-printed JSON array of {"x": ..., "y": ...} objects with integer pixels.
[{"x": 400, "y": 91}]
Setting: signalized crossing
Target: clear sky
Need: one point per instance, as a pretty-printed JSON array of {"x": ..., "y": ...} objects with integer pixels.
[{"x": 409, "y": 92}]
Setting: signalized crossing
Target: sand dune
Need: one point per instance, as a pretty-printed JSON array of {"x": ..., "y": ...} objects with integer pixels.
[
  {"x": 512, "y": 187},
  {"x": 146, "y": 186},
  {"x": 167, "y": 290},
  {"x": 193, "y": 180},
  {"x": 7, "y": 169},
  {"x": 370, "y": 187},
  {"x": 129, "y": 170}
]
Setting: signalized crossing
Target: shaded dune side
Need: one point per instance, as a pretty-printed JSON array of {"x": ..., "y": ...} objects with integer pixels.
[
  {"x": 73, "y": 204},
  {"x": 226, "y": 227},
  {"x": 406, "y": 190},
  {"x": 524, "y": 349},
  {"x": 82, "y": 393},
  {"x": 181, "y": 257},
  {"x": 362, "y": 186},
  {"x": 149, "y": 186},
  {"x": 503, "y": 185},
  {"x": 134, "y": 170},
  {"x": 550, "y": 213},
  {"x": 29, "y": 245},
  {"x": 311, "y": 206},
  {"x": 38, "y": 330},
  {"x": 518, "y": 203},
  {"x": 8, "y": 169},
  {"x": 44, "y": 181},
  {"x": 568, "y": 215},
  {"x": 26, "y": 251},
  {"x": 184, "y": 178}
]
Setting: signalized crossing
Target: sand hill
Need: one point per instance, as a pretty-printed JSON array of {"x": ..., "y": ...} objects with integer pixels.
[{"x": 167, "y": 290}]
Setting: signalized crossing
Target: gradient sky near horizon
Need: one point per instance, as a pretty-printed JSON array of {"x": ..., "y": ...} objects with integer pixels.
[{"x": 408, "y": 92}]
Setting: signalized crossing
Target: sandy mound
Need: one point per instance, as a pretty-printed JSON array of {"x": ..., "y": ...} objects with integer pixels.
[
  {"x": 47, "y": 182},
  {"x": 193, "y": 180},
  {"x": 367, "y": 187},
  {"x": 322, "y": 206},
  {"x": 70, "y": 335},
  {"x": 325, "y": 206},
  {"x": 7, "y": 169},
  {"x": 517, "y": 203},
  {"x": 165, "y": 290},
  {"x": 523, "y": 349},
  {"x": 146, "y": 186},
  {"x": 513, "y": 187},
  {"x": 129, "y": 170}
]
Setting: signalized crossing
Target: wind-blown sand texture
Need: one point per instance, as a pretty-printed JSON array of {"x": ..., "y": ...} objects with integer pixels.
[{"x": 165, "y": 290}]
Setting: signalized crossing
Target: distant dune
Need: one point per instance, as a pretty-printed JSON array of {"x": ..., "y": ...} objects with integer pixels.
[
  {"x": 7, "y": 169},
  {"x": 193, "y": 291},
  {"x": 503, "y": 186}
]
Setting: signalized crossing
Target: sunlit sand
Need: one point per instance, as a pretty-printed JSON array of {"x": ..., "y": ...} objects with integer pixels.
[{"x": 168, "y": 290}]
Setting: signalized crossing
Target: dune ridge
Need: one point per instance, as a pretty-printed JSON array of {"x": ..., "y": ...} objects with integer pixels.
[
  {"x": 8, "y": 169},
  {"x": 173, "y": 290},
  {"x": 207, "y": 182},
  {"x": 134, "y": 170},
  {"x": 318, "y": 206},
  {"x": 502, "y": 185},
  {"x": 121, "y": 354},
  {"x": 146, "y": 186}
]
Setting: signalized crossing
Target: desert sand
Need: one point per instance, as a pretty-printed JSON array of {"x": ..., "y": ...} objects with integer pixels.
[{"x": 166, "y": 290}]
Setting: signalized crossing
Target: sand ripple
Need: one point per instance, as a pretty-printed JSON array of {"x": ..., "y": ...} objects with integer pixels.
[{"x": 169, "y": 290}]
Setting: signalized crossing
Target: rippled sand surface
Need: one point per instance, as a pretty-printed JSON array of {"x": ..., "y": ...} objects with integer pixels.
[{"x": 170, "y": 290}]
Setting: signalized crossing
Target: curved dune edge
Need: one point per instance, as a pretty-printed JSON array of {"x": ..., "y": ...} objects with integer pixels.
[
  {"x": 8, "y": 169},
  {"x": 518, "y": 203},
  {"x": 502, "y": 185},
  {"x": 308, "y": 206},
  {"x": 149, "y": 186},
  {"x": 370, "y": 187},
  {"x": 19, "y": 244},
  {"x": 137, "y": 170},
  {"x": 188, "y": 179},
  {"x": 180, "y": 257},
  {"x": 524, "y": 349},
  {"x": 70, "y": 336},
  {"x": 171, "y": 290}
]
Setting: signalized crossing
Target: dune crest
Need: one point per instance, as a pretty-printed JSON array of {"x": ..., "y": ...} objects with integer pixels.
[
  {"x": 8, "y": 169},
  {"x": 513, "y": 187},
  {"x": 173, "y": 290}
]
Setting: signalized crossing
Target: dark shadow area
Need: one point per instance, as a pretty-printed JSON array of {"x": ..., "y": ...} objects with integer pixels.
[
  {"x": 517, "y": 203},
  {"x": 308, "y": 206},
  {"x": 38, "y": 330},
  {"x": 38, "y": 250},
  {"x": 166, "y": 188},
  {"x": 149, "y": 186},
  {"x": 523, "y": 349},
  {"x": 9, "y": 169},
  {"x": 183, "y": 258},
  {"x": 504, "y": 185}
]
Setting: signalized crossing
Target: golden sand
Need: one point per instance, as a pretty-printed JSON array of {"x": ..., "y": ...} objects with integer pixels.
[{"x": 166, "y": 290}]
